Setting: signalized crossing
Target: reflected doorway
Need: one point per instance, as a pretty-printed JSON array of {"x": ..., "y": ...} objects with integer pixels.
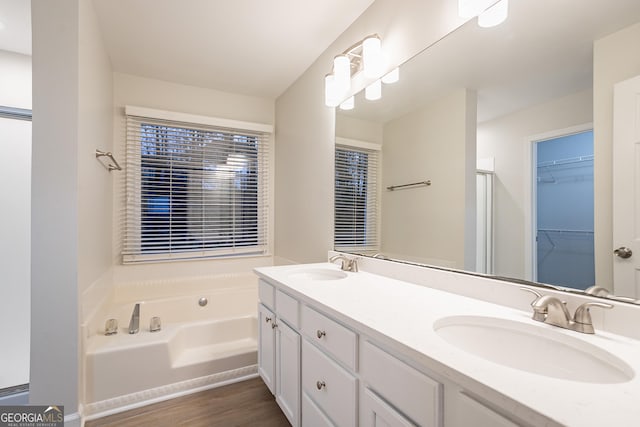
[{"x": 564, "y": 210}]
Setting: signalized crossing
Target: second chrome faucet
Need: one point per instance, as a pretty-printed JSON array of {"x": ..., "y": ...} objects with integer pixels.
[{"x": 549, "y": 309}]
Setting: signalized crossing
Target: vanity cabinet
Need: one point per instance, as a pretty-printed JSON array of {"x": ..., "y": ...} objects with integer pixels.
[
  {"x": 416, "y": 397},
  {"x": 464, "y": 410},
  {"x": 328, "y": 373},
  {"x": 279, "y": 349}
]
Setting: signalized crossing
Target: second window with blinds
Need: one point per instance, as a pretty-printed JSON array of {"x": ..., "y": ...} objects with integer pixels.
[
  {"x": 194, "y": 190},
  {"x": 357, "y": 195}
]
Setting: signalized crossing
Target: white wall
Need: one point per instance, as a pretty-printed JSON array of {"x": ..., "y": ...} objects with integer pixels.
[
  {"x": 359, "y": 129},
  {"x": 15, "y": 84},
  {"x": 139, "y": 91},
  {"x": 71, "y": 199},
  {"x": 15, "y": 223},
  {"x": 506, "y": 139},
  {"x": 54, "y": 230},
  {"x": 615, "y": 59},
  {"x": 305, "y": 128},
  {"x": 428, "y": 224}
]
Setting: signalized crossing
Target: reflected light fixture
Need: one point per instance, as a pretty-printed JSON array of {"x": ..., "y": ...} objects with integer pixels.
[
  {"x": 392, "y": 76},
  {"x": 489, "y": 12},
  {"x": 373, "y": 92},
  {"x": 364, "y": 56},
  {"x": 495, "y": 15},
  {"x": 348, "y": 104}
]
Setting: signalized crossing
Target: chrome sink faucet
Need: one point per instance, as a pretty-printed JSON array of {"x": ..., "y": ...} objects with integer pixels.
[
  {"x": 348, "y": 264},
  {"x": 551, "y": 310},
  {"x": 134, "y": 323}
]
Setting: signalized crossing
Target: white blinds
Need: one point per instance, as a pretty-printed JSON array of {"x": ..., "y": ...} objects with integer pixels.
[
  {"x": 356, "y": 199},
  {"x": 194, "y": 191}
]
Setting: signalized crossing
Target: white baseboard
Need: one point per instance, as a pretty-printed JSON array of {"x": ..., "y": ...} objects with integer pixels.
[
  {"x": 127, "y": 402},
  {"x": 15, "y": 399},
  {"x": 73, "y": 420}
]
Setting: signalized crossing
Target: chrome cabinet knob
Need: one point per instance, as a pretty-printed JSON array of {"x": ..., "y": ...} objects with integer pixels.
[
  {"x": 623, "y": 252},
  {"x": 267, "y": 319},
  {"x": 274, "y": 325},
  {"x": 320, "y": 333},
  {"x": 320, "y": 385}
]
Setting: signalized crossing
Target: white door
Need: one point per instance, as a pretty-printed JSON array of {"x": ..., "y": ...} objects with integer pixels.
[
  {"x": 626, "y": 188},
  {"x": 15, "y": 252}
]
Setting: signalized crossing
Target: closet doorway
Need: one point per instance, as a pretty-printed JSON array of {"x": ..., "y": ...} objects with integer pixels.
[
  {"x": 15, "y": 255},
  {"x": 564, "y": 210}
]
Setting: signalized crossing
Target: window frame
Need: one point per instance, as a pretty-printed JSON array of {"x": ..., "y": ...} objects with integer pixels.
[
  {"x": 131, "y": 250},
  {"x": 371, "y": 148}
]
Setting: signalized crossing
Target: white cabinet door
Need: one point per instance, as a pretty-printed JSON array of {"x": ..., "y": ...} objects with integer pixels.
[
  {"x": 312, "y": 416},
  {"x": 467, "y": 411},
  {"x": 288, "y": 372},
  {"x": 376, "y": 413},
  {"x": 266, "y": 347}
]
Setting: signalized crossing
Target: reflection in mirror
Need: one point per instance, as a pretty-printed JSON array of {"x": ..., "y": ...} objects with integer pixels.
[{"x": 502, "y": 121}]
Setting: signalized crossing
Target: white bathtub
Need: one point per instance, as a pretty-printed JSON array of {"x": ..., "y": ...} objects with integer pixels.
[{"x": 197, "y": 347}]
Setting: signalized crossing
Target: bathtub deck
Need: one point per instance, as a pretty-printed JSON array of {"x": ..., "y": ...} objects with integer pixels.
[
  {"x": 247, "y": 403},
  {"x": 205, "y": 353}
]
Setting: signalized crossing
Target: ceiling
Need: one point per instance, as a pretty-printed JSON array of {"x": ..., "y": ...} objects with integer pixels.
[
  {"x": 15, "y": 26},
  {"x": 250, "y": 47}
]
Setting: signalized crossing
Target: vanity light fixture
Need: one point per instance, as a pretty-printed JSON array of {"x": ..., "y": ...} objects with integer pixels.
[
  {"x": 489, "y": 12},
  {"x": 364, "y": 56},
  {"x": 372, "y": 57},
  {"x": 331, "y": 95}
]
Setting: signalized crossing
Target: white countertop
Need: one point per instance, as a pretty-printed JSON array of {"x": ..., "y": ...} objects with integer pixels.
[{"x": 405, "y": 313}]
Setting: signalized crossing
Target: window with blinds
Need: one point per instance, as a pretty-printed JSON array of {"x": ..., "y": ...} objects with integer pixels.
[
  {"x": 356, "y": 199},
  {"x": 194, "y": 191}
]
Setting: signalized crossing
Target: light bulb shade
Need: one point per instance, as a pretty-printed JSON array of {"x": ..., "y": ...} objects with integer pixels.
[
  {"x": 348, "y": 104},
  {"x": 392, "y": 76},
  {"x": 373, "y": 91},
  {"x": 372, "y": 57},
  {"x": 470, "y": 8},
  {"x": 495, "y": 15},
  {"x": 331, "y": 97},
  {"x": 342, "y": 73}
]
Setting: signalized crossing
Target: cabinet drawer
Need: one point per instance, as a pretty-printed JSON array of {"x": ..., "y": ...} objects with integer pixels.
[
  {"x": 266, "y": 293},
  {"x": 312, "y": 415},
  {"x": 331, "y": 387},
  {"x": 376, "y": 413},
  {"x": 411, "y": 392},
  {"x": 331, "y": 336},
  {"x": 287, "y": 308}
]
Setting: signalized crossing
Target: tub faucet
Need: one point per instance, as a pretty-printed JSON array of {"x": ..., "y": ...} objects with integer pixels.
[
  {"x": 348, "y": 264},
  {"x": 134, "y": 323}
]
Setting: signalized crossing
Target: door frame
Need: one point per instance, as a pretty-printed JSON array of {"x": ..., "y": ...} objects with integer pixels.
[{"x": 530, "y": 193}]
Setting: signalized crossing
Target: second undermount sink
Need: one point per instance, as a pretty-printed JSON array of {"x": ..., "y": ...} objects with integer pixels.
[
  {"x": 317, "y": 274},
  {"x": 532, "y": 348}
]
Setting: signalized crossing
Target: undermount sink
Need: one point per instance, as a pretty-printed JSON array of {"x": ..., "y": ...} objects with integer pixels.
[
  {"x": 535, "y": 349},
  {"x": 317, "y": 274}
]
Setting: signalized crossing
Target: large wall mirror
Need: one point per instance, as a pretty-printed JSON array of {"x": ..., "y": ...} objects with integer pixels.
[{"x": 495, "y": 127}]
